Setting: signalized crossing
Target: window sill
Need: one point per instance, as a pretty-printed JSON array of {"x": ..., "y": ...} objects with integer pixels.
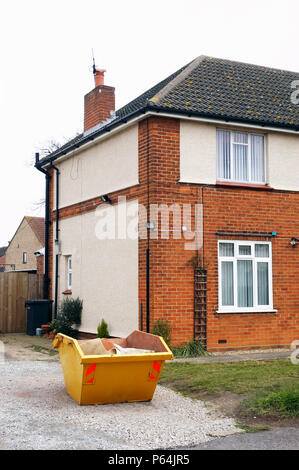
[
  {"x": 245, "y": 312},
  {"x": 244, "y": 185},
  {"x": 67, "y": 292}
]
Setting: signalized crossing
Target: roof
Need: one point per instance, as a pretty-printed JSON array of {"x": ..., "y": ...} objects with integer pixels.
[
  {"x": 38, "y": 226},
  {"x": 212, "y": 88},
  {"x": 141, "y": 101},
  {"x": 2, "y": 250}
]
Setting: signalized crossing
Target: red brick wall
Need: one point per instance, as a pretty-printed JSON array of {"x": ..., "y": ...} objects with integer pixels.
[
  {"x": 236, "y": 209},
  {"x": 97, "y": 105},
  {"x": 171, "y": 274},
  {"x": 159, "y": 138},
  {"x": 40, "y": 265}
]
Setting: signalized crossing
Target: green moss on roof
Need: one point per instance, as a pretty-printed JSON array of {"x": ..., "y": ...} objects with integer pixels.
[{"x": 217, "y": 88}]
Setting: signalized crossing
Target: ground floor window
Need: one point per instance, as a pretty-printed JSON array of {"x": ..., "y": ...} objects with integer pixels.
[
  {"x": 69, "y": 273},
  {"x": 245, "y": 276}
]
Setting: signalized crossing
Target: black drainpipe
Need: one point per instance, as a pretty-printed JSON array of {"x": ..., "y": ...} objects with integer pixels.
[
  {"x": 56, "y": 240},
  {"x": 47, "y": 225},
  {"x": 148, "y": 243}
]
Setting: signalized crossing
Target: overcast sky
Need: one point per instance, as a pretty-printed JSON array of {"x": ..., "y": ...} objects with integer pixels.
[{"x": 45, "y": 67}]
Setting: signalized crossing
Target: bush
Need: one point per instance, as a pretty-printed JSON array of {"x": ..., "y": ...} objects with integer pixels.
[
  {"x": 61, "y": 324},
  {"x": 72, "y": 309},
  {"x": 69, "y": 315},
  {"x": 162, "y": 328},
  {"x": 103, "y": 330},
  {"x": 194, "y": 348}
]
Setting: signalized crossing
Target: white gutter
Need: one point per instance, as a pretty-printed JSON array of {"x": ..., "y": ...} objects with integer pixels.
[{"x": 170, "y": 115}]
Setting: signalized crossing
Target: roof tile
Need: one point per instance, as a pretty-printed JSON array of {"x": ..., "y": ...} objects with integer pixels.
[
  {"x": 215, "y": 88},
  {"x": 38, "y": 226}
]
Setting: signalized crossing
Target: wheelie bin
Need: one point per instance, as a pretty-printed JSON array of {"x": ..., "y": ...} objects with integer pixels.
[{"x": 38, "y": 313}]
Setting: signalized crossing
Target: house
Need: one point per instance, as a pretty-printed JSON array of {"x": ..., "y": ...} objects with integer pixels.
[
  {"x": 2, "y": 258},
  {"x": 207, "y": 162},
  {"x": 29, "y": 237}
]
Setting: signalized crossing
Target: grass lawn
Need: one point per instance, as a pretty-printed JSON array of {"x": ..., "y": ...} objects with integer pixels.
[{"x": 270, "y": 387}]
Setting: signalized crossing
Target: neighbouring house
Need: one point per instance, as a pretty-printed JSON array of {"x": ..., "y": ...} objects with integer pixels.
[
  {"x": 28, "y": 239},
  {"x": 214, "y": 147},
  {"x": 2, "y": 258}
]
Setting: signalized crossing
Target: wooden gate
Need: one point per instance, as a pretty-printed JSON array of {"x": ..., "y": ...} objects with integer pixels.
[{"x": 15, "y": 289}]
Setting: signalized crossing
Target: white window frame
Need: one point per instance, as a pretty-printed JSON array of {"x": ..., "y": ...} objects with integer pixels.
[
  {"x": 256, "y": 308},
  {"x": 232, "y": 169},
  {"x": 69, "y": 265},
  {"x": 25, "y": 257}
]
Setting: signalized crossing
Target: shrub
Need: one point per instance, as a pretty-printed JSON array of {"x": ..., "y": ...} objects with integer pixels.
[
  {"x": 69, "y": 315},
  {"x": 103, "y": 330},
  {"x": 162, "y": 328},
  {"x": 72, "y": 309},
  {"x": 61, "y": 324},
  {"x": 194, "y": 348}
]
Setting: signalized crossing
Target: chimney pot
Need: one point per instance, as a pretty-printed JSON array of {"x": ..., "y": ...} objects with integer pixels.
[{"x": 99, "y": 77}]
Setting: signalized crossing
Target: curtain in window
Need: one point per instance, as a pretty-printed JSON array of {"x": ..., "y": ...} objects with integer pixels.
[
  {"x": 226, "y": 249},
  {"x": 223, "y": 155},
  {"x": 245, "y": 283},
  {"x": 262, "y": 284},
  {"x": 227, "y": 283},
  {"x": 261, "y": 251},
  {"x": 257, "y": 158},
  {"x": 240, "y": 156},
  {"x": 244, "y": 250}
]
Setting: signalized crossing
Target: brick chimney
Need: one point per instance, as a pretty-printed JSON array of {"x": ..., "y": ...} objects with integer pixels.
[{"x": 99, "y": 102}]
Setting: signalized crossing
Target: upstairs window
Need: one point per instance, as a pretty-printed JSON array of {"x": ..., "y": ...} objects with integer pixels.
[
  {"x": 24, "y": 257},
  {"x": 240, "y": 157}
]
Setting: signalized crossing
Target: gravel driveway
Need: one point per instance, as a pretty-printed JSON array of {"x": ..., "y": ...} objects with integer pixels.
[{"x": 36, "y": 413}]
